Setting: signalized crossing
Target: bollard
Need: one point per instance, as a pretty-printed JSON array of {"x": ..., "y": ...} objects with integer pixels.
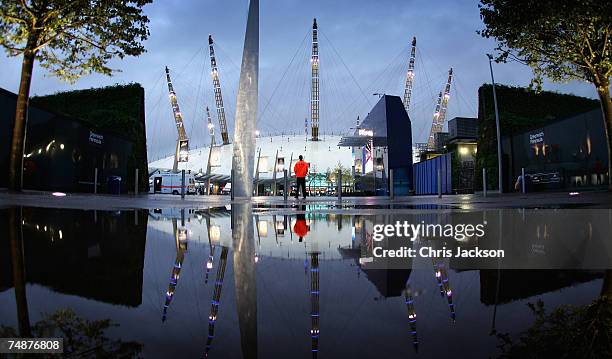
[
  {"x": 484, "y": 182},
  {"x": 182, "y": 184},
  {"x": 96, "y": 180},
  {"x": 232, "y": 185},
  {"x": 523, "y": 180},
  {"x": 136, "y": 183},
  {"x": 439, "y": 183},
  {"x": 391, "y": 187},
  {"x": 285, "y": 186},
  {"x": 339, "y": 184}
]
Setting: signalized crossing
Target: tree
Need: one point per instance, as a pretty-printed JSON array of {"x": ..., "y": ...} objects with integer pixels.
[
  {"x": 567, "y": 331},
  {"x": 83, "y": 338},
  {"x": 560, "y": 39},
  {"x": 70, "y": 38}
]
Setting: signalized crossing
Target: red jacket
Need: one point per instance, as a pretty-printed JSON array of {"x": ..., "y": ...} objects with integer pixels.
[
  {"x": 301, "y": 169},
  {"x": 300, "y": 228}
]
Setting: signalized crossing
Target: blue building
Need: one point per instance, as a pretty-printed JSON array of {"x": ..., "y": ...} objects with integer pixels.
[{"x": 383, "y": 141}]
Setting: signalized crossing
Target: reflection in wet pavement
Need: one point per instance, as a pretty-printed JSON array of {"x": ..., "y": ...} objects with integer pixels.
[{"x": 260, "y": 282}]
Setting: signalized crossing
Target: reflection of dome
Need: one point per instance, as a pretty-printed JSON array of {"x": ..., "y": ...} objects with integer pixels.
[
  {"x": 322, "y": 154},
  {"x": 273, "y": 234}
]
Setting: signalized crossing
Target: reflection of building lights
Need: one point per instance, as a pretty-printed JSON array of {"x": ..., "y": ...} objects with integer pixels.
[
  {"x": 280, "y": 225},
  {"x": 262, "y": 226},
  {"x": 588, "y": 143},
  {"x": 182, "y": 234},
  {"x": 215, "y": 233},
  {"x": 49, "y": 146}
]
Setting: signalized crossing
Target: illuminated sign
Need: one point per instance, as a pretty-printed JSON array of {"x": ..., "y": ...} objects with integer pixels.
[
  {"x": 215, "y": 157},
  {"x": 537, "y": 137},
  {"x": 95, "y": 138},
  {"x": 280, "y": 164},
  {"x": 364, "y": 132},
  {"x": 263, "y": 165},
  {"x": 183, "y": 151}
]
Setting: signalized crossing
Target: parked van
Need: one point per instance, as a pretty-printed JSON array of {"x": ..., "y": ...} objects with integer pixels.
[{"x": 170, "y": 183}]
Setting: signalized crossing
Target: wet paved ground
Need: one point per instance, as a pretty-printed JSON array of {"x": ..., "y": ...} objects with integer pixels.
[
  {"x": 597, "y": 199},
  {"x": 180, "y": 279}
]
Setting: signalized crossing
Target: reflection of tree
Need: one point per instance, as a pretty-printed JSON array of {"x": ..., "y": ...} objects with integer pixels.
[
  {"x": 82, "y": 338},
  {"x": 15, "y": 235},
  {"x": 567, "y": 331}
]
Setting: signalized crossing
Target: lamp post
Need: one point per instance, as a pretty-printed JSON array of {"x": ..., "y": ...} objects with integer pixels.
[{"x": 499, "y": 146}]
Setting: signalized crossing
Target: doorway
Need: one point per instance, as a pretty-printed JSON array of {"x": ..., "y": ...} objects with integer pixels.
[{"x": 157, "y": 184}]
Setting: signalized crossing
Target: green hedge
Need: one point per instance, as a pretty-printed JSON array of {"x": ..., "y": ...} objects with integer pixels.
[
  {"x": 520, "y": 110},
  {"x": 118, "y": 109}
]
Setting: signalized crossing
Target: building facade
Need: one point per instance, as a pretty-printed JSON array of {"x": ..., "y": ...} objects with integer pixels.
[
  {"x": 62, "y": 153},
  {"x": 568, "y": 153}
]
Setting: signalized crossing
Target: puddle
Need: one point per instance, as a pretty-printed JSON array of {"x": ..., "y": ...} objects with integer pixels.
[{"x": 180, "y": 284}]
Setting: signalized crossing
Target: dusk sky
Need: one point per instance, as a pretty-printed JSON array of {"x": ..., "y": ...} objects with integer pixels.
[{"x": 364, "y": 49}]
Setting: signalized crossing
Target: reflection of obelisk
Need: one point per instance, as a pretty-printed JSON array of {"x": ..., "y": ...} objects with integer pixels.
[
  {"x": 246, "y": 108},
  {"x": 244, "y": 277}
]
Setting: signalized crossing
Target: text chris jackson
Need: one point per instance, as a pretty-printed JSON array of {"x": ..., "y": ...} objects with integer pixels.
[{"x": 410, "y": 231}]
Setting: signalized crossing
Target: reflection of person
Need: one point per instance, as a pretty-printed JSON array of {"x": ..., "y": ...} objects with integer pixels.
[
  {"x": 301, "y": 170},
  {"x": 598, "y": 171},
  {"x": 300, "y": 228}
]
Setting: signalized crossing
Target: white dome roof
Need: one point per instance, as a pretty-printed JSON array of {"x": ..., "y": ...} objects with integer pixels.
[{"x": 321, "y": 155}]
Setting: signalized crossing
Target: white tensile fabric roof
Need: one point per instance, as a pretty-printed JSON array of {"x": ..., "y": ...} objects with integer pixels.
[{"x": 321, "y": 155}]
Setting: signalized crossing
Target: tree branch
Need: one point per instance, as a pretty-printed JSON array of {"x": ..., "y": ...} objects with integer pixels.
[
  {"x": 47, "y": 42},
  {"x": 90, "y": 42},
  {"x": 14, "y": 18},
  {"x": 28, "y": 9}
]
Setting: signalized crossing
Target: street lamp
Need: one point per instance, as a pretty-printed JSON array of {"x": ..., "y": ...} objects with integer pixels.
[{"x": 499, "y": 146}]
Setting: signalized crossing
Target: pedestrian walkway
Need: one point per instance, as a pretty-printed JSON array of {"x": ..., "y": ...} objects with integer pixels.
[{"x": 595, "y": 199}]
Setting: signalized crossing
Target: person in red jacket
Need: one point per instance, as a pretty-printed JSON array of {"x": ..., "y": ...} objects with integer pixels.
[
  {"x": 301, "y": 170},
  {"x": 300, "y": 228}
]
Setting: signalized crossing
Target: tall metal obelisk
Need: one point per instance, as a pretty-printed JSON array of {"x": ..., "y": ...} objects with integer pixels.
[
  {"x": 246, "y": 109},
  {"x": 242, "y": 187}
]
